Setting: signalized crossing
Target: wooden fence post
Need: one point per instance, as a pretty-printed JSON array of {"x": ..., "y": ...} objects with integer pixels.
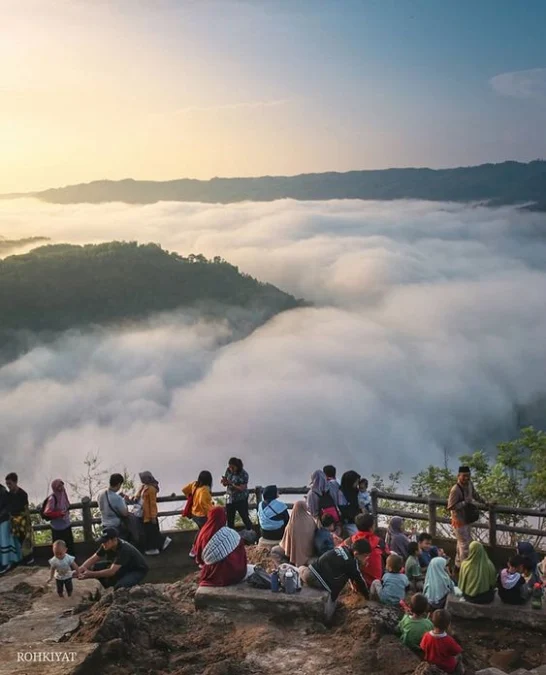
[
  {"x": 432, "y": 516},
  {"x": 492, "y": 526},
  {"x": 375, "y": 505},
  {"x": 87, "y": 518}
]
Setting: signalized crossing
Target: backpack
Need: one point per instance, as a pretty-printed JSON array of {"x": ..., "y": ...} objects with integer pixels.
[
  {"x": 43, "y": 508},
  {"x": 326, "y": 504},
  {"x": 283, "y": 569},
  {"x": 259, "y": 579}
]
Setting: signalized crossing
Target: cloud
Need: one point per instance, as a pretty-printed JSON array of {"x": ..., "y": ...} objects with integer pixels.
[
  {"x": 425, "y": 336},
  {"x": 243, "y": 105},
  {"x": 530, "y": 84}
]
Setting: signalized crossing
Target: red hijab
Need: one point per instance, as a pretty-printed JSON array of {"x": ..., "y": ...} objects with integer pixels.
[{"x": 216, "y": 519}]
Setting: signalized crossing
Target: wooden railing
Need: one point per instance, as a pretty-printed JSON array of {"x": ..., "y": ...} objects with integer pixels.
[{"x": 429, "y": 515}]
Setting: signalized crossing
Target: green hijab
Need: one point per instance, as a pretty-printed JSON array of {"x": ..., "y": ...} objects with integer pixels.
[{"x": 478, "y": 574}]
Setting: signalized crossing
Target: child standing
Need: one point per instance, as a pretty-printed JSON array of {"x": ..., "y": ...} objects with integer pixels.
[
  {"x": 413, "y": 568},
  {"x": 441, "y": 649},
  {"x": 394, "y": 585},
  {"x": 62, "y": 565},
  {"x": 364, "y": 499},
  {"x": 413, "y": 626}
]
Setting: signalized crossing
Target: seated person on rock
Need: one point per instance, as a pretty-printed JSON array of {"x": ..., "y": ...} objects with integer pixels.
[
  {"x": 220, "y": 552},
  {"x": 365, "y": 530},
  {"x": 335, "y": 568},
  {"x": 438, "y": 583},
  {"x": 511, "y": 583},
  {"x": 439, "y": 648},
  {"x": 298, "y": 543},
  {"x": 393, "y": 586},
  {"x": 325, "y": 536},
  {"x": 273, "y": 515},
  {"x": 416, "y": 623},
  {"x": 527, "y": 551},
  {"x": 427, "y": 551},
  {"x": 413, "y": 568},
  {"x": 478, "y": 576},
  {"x": 116, "y": 563}
]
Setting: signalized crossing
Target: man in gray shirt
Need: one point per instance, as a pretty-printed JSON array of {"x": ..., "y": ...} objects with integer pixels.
[{"x": 113, "y": 509}]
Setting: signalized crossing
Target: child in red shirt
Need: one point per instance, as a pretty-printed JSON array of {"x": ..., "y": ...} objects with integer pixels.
[{"x": 441, "y": 649}]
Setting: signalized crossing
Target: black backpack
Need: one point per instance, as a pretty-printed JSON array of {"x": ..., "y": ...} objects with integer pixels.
[
  {"x": 471, "y": 511},
  {"x": 44, "y": 506},
  {"x": 326, "y": 503},
  {"x": 259, "y": 579}
]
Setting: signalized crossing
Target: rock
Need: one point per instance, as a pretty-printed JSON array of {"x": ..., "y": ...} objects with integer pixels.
[
  {"x": 113, "y": 650},
  {"x": 242, "y": 598},
  {"x": 504, "y": 660},
  {"x": 221, "y": 668},
  {"x": 491, "y": 671},
  {"x": 514, "y": 615},
  {"x": 394, "y": 657},
  {"x": 523, "y": 671}
]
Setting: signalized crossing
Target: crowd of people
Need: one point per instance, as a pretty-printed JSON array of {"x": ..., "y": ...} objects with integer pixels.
[{"x": 329, "y": 540}]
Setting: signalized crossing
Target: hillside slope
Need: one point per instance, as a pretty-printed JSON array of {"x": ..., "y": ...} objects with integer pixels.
[
  {"x": 505, "y": 183},
  {"x": 60, "y": 286}
]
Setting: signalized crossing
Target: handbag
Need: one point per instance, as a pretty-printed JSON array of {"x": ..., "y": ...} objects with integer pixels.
[
  {"x": 130, "y": 522},
  {"x": 471, "y": 511},
  {"x": 188, "y": 506}
]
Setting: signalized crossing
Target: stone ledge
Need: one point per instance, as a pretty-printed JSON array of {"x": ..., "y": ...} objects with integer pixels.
[
  {"x": 498, "y": 611},
  {"x": 242, "y": 598}
]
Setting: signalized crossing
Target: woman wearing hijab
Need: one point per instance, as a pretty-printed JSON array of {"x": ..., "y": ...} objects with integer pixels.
[
  {"x": 438, "y": 584},
  {"x": 317, "y": 489},
  {"x": 8, "y": 546},
  {"x": 350, "y": 510},
  {"x": 58, "y": 514},
  {"x": 154, "y": 541},
  {"x": 272, "y": 515},
  {"x": 220, "y": 552},
  {"x": 298, "y": 542},
  {"x": 478, "y": 576},
  {"x": 397, "y": 540}
]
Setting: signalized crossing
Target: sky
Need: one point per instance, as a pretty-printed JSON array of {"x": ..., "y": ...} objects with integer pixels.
[{"x": 162, "y": 89}]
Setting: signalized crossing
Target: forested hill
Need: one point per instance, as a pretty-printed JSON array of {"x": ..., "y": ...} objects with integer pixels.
[
  {"x": 60, "y": 286},
  {"x": 506, "y": 183}
]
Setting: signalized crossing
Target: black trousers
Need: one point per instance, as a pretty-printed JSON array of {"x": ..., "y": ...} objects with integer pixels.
[
  {"x": 62, "y": 584},
  {"x": 240, "y": 508},
  {"x": 153, "y": 539},
  {"x": 66, "y": 536}
]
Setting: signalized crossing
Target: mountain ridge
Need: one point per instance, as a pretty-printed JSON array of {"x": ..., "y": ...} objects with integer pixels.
[{"x": 504, "y": 183}]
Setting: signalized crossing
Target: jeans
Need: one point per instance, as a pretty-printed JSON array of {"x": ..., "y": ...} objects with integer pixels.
[
  {"x": 242, "y": 509},
  {"x": 62, "y": 584},
  {"x": 123, "y": 579}
]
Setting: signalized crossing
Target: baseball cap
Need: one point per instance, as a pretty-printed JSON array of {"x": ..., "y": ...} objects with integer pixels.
[{"x": 108, "y": 533}]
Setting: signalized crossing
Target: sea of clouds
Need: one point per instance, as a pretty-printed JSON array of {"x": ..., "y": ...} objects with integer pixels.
[{"x": 428, "y": 331}]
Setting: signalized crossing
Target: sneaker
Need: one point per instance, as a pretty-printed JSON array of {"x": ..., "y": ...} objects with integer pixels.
[
  {"x": 168, "y": 541},
  {"x": 153, "y": 551},
  {"x": 192, "y": 553}
]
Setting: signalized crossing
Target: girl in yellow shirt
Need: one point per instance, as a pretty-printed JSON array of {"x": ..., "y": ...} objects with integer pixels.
[{"x": 200, "y": 492}]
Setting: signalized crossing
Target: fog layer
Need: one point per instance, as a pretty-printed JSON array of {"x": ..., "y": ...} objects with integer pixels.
[{"x": 427, "y": 334}]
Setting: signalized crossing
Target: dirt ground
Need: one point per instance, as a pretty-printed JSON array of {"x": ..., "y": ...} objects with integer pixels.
[{"x": 156, "y": 629}]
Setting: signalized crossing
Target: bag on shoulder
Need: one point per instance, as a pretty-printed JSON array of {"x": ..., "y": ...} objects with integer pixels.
[
  {"x": 188, "y": 506},
  {"x": 259, "y": 579},
  {"x": 471, "y": 511},
  {"x": 326, "y": 504},
  {"x": 44, "y": 513}
]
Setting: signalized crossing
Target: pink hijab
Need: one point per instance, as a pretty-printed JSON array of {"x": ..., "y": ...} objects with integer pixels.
[{"x": 62, "y": 501}]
